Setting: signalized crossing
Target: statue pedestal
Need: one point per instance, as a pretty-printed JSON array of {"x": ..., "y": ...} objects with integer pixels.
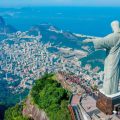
[{"x": 107, "y": 103}]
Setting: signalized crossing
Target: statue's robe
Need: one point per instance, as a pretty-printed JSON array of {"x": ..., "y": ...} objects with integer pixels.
[{"x": 112, "y": 62}]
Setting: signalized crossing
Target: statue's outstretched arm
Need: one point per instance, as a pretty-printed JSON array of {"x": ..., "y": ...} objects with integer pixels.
[
  {"x": 104, "y": 43},
  {"x": 99, "y": 43}
]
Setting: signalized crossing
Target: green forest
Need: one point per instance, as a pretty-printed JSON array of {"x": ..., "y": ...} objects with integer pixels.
[
  {"x": 15, "y": 113},
  {"x": 48, "y": 95}
]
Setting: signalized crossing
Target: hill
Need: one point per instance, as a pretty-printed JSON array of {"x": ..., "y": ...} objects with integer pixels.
[
  {"x": 47, "y": 95},
  {"x": 5, "y": 28},
  {"x": 56, "y": 36}
]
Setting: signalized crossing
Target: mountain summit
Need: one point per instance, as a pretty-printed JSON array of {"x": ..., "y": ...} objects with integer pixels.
[{"x": 4, "y": 28}]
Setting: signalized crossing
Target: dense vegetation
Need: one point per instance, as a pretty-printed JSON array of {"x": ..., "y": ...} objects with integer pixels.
[
  {"x": 49, "y": 95},
  {"x": 15, "y": 113}
]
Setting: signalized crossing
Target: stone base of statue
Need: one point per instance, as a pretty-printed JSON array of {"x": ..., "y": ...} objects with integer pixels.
[{"x": 107, "y": 103}]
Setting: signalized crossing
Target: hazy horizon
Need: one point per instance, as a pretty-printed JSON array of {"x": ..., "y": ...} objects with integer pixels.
[{"x": 81, "y": 3}]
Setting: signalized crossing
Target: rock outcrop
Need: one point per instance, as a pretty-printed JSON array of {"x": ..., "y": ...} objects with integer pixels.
[{"x": 33, "y": 112}]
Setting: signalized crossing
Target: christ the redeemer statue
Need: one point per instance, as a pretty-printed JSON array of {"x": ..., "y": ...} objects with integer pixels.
[{"x": 111, "y": 43}]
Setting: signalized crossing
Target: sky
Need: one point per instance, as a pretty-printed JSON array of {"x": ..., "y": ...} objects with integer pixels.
[{"x": 19, "y": 3}]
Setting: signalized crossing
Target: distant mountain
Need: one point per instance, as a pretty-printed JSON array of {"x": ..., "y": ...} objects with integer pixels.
[
  {"x": 10, "y": 29},
  {"x": 2, "y": 24},
  {"x": 56, "y": 36},
  {"x": 61, "y": 38},
  {"x": 4, "y": 28}
]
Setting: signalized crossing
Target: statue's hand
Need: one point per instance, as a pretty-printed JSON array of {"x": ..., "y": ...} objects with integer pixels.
[{"x": 87, "y": 40}]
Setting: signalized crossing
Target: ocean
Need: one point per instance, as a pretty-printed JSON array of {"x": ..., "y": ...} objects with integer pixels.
[{"x": 93, "y": 21}]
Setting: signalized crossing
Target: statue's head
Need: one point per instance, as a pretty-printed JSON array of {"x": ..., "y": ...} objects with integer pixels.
[{"x": 115, "y": 26}]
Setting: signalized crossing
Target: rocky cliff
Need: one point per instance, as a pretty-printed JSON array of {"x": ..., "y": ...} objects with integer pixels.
[{"x": 33, "y": 112}]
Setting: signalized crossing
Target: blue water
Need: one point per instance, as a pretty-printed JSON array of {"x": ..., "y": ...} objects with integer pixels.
[{"x": 85, "y": 20}]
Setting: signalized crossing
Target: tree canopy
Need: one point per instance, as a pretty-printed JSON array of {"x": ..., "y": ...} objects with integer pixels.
[{"x": 49, "y": 95}]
